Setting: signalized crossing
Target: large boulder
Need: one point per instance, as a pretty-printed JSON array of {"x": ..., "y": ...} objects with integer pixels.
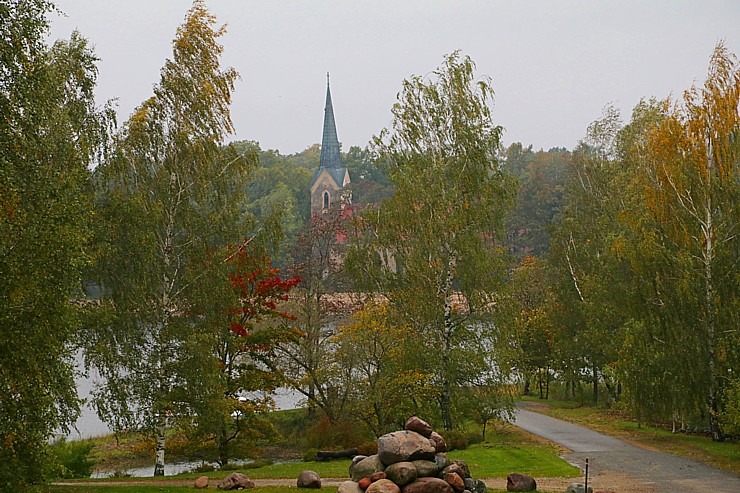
[
  {"x": 520, "y": 482},
  {"x": 426, "y": 468},
  {"x": 349, "y": 487},
  {"x": 383, "y": 486},
  {"x": 428, "y": 485},
  {"x": 403, "y": 446},
  {"x": 201, "y": 482},
  {"x": 475, "y": 485},
  {"x": 309, "y": 479},
  {"x": 402, "y": 473},
  {"x": 235, "y": 481},
  {"x": 365, "y": 467},
  {"x": 418, "y": 425}
]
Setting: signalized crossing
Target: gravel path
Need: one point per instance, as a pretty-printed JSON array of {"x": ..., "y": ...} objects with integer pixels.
[{"x": 609, "y": 457}]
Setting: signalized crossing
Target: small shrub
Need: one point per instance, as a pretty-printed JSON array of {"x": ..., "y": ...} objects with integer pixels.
[
  {"x": 230, "y": 467},
  {"x": 73, "y": 457},
  {"x": 310, "y": 455},
  {"x": 474, "y": 438},
  {"x": 456, "y": 440}
]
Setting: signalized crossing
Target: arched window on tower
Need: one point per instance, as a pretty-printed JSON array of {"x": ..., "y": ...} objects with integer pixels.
[{"x": 326, "y": 200}]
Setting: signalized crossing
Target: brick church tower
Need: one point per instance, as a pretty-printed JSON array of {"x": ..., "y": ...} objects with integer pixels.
[{"x": 329, "y": 181}]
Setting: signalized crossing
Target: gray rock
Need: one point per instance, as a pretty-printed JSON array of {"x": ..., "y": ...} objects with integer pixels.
[
  {"x": 403, "y": 446},
  {"x": 365, "y": 468},
  {"x": 520, "y": 482},
  {"x": 309, "y": 479},
  {"x": 349, "y": 487},
  {"x": 402, "y": 473},
  {"x": 475, "y": 485},
  {"x": 425, "y": 468},
  {"x": 235, "y": 481},
  {"x": 442, "y": 460},
  {"x": 578, "y": 488}
]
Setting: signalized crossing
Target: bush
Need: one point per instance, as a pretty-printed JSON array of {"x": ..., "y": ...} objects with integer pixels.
[
  {"x": 73, "y": 457},
  {"x": 310, "y": 455},
  {"x": 456, "y": 440},
  {"x": 474, "y": 438}
]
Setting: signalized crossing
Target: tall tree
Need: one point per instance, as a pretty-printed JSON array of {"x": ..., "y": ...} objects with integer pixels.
[
  {"x": 381, "y": 357},
  {"x": 171, "y": 194},
  {"x": 592, "y": 284},
  {"x": 228, "y": 368},
  {"x": 690, "y": 169},
  {"x": 437, "y": 233},
  {"x": 51, "y": 132}
]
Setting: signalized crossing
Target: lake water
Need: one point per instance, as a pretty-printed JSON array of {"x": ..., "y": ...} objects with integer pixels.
[{"x": 89, "y": 425}]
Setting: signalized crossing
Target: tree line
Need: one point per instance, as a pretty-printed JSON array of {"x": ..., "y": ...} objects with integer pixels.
[{"x": 189, "y": 272}]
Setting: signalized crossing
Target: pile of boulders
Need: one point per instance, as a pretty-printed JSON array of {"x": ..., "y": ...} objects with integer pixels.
[{"x": 410, "y": 461}]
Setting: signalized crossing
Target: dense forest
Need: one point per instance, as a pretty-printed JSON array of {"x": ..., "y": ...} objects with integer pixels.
[{"x": 464, "y": 272}]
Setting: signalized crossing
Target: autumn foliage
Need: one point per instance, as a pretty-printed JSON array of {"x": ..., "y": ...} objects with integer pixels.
[{"x": 260, "y": 289}]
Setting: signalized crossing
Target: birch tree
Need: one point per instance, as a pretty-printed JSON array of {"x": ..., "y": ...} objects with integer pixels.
[
  {"x": 170, "y": 196},
  {"x": 690, "y": 166},
  {"x": 51, "y": 132},
  {"x": 437, "y": 234}
]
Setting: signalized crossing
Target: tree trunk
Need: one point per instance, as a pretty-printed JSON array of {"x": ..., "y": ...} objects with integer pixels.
[
  {"x": 445, "y": 399},
  {"x": 539, "y": 383},
  {"x": 708, "y": 257},
  {"x": 596, "y": 385},
  {"x": 159, "y": 451}
]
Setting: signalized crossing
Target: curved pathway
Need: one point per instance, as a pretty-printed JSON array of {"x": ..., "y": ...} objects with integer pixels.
[{"x": 656, "y": 471}]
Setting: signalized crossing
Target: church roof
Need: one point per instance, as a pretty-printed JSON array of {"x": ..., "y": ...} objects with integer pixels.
[{"x": 330, "y": 157}]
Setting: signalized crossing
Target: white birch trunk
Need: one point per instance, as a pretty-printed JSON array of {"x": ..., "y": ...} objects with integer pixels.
[{"x": 159, "y": 451}]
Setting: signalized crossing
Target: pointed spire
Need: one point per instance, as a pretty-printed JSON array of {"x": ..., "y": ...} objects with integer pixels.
[{"x": 330, "y": 157}]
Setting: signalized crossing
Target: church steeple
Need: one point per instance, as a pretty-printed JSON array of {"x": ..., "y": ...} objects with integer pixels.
[
  {"x": 329, "y": 181},
  {"x": 330, "y": 157}
]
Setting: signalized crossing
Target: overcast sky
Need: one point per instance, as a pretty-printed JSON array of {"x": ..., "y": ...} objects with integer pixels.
[{"x": 554, "y": 64}]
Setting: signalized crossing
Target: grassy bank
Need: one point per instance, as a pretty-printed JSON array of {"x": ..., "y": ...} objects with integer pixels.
[
  {"x": 618, "y": 423},
  {"x": 507, "y": 449}
]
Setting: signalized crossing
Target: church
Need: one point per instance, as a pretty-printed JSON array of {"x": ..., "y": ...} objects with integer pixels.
[{"x": 329, "y": 186}]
